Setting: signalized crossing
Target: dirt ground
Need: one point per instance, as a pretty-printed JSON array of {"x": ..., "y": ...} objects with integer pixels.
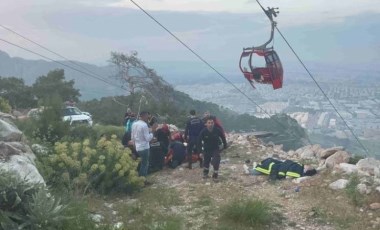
[{"x": 181, "y": 199}]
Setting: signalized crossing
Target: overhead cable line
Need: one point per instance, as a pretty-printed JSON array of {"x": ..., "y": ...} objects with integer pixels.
[
  {"x": 75, "y": 63},
  {"x": 53, "y": 52},
  {"x": 210, "y": 66},
  {"x": 323, "y": 92},
  {"x": 312, "y": 77},
  {"x": 63, "y": 64}
]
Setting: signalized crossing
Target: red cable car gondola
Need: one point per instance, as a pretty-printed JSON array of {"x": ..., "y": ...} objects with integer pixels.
[{"x": 272, "y": 73}]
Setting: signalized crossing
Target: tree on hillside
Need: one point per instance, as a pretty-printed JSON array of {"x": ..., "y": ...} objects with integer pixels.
[
  {"x": 54, "y": 84},
  {"x": 135, "y": 76},
  {"x": 16, "y": 92}
]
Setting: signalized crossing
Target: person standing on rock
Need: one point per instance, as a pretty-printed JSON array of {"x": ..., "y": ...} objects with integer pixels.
[
  {"x": 194, "y": 127},
  {"x": 141, "y": 136},
  {"x": 210, "y": 139}
]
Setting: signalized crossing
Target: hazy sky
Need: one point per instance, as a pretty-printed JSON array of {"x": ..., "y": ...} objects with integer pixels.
[{"x": 332, "y": 31}]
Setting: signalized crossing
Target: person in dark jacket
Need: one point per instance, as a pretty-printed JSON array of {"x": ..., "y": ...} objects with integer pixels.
[
  {"x": 163, "y": 136},
  {"x": 277, "y": 169},
  {"x": 193, "y": 128},
  {"x": 176, "y": 154},
  {"x": 217, "y": 122},
  {"x": 210, "y": 138}
]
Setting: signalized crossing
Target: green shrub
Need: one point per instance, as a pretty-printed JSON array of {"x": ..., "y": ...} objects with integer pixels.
[
  {"x": 4, "y": 106},
  {"x": 250, "y": 212},
  {"x": 109, "y": 130},
  {"x": 106, "y": 167},
  {"x": 78, "y": 210},
  {"x": 355, "y": 159},
  {"x": 80, "y": 133},
  {"x": 27, "y": 206},
  {"x": 352, "y": 192}
]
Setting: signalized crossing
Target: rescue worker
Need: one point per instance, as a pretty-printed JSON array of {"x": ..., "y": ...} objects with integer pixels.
[
  {"x": 217, "y": 122},
  {"x": 176, "y": 154},
  {"x": 193, "y": 128},
  {"x": 210, "y": 138},
  {"x": 277, "y": 169}
]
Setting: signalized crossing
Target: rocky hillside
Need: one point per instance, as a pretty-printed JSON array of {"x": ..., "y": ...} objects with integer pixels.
[
  {"x": 181, "y": 199},
  {"x": 15, "y": 155},
  {"x": 343, "y": 195}
]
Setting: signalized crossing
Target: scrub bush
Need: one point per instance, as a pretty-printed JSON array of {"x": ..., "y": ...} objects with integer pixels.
[
  {"x": 105, "y": 167},
  {"x": 4, "y": 106}
]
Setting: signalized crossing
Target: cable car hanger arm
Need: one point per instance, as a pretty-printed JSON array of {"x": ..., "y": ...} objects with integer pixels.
[{"x": 270, "y": 12}]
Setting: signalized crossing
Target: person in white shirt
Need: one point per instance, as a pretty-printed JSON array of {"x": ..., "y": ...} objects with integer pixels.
[{"x": 141, "y": 136}]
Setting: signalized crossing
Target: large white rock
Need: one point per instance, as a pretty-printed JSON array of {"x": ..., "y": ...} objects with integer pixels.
[
  {"x": 23, "y": 167},
  {"x": 369, "y": 165},
  {"x": 362, "y": 188},
  {"x": 17, "y": 157},
  {"x": 9, "y": 132},
  {"x": 307, "y": 154},
  {"x": 337, "y": 158},
  {"x": 347, "y": 168},
  {"x": 339, "y": 184},
  {"x": 330, "y": 151}
]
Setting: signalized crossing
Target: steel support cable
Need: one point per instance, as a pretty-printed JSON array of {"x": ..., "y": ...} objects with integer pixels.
[
  {"x": 323, "y": 92},
  {"x": 61, "y": 63},
  {"x": 51, "y": 51},
  {"x": 320, "y": 88},
  {"x": 210, "y": 66}
]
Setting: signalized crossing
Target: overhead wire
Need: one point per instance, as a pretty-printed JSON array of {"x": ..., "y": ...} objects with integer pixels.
[
  {"x": 210, "y": 66},
  {"x": 312, "y": 77},
  {"x": 61, "y": 63},
  {"x": 323, "y": 92},
  {"x": 72, "y": 62},
  {"x": 51, "y": 51}
]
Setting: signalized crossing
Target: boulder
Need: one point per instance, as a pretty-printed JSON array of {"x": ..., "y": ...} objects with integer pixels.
[
  {"x": 362, "y": 189},
  {"x": 300, "y": 150},
  {"x": 278, "y": 147},
  {"x": 9, "y": 132},
  {"x": 368, "y": 165},
  {"x": 329, "y": 152},
  {"x": 6, "y": 151},
  {"x": 337, "y": 158},
  {"x": 291, "y": 153},
  {"x": 347, "y": 168},
  {"x": 15, "y": 156},
  {"x": 6, "y": 116},
  {"x": 307, "y": 154},
  {"x": 23, "y": 167},
  {"x": 374, "y": 206},
  {"x": 378, "y": 189},
  {"x": 339, "y": 184}
]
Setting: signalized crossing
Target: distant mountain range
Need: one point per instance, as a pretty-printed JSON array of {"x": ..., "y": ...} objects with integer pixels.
[
  {"x": 176, "y": 73},
  {"x": 30, "y": 70}
]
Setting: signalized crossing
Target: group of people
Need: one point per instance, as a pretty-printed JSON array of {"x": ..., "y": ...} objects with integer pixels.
[{"x": 203, "y": 140}]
